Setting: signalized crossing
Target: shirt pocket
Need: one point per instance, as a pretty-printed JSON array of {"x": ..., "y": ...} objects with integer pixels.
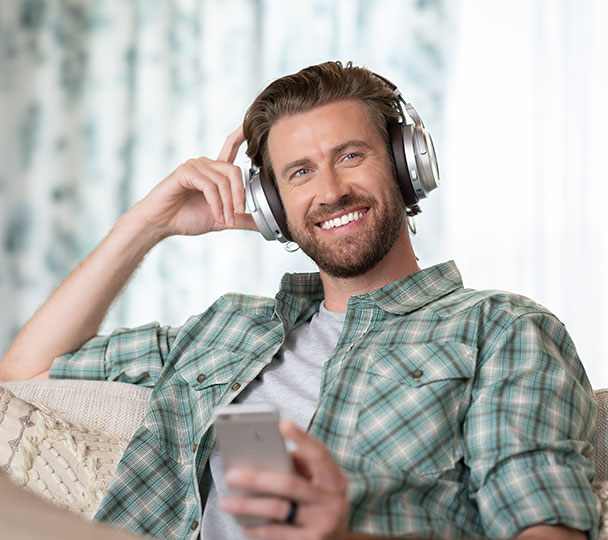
[
  {"x": 181, "y": 404},
  {"x": 414, "y": 404},
  {"x": 204, "y": 368}
]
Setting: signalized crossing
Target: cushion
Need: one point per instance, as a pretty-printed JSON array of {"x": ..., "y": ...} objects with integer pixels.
[
  {"x": 600, "y": 451},
  {"x": 113, "y": 407},
  {"x": 67, "y": 464}
]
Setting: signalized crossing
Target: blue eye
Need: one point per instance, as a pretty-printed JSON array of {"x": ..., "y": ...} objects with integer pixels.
[
  {"x": 352, "y": 156},
  {"x": 301, "y": 172}
]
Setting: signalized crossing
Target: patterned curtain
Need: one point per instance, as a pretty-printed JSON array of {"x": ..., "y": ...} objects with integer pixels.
[{"x": 101, "y": 99}]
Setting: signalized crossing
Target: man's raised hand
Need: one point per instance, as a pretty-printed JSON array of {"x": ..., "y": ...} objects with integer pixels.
[{"x": 200, "y": 196}]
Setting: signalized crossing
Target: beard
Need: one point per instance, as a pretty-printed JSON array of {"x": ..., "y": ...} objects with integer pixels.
[{"x": 357, "y": 253}]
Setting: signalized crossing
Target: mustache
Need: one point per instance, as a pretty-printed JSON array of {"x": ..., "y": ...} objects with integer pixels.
[{"x": 325, "y": 211}]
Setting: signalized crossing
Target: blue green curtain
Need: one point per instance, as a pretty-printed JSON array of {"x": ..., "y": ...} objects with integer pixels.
[{"x": 101, "y": 99}]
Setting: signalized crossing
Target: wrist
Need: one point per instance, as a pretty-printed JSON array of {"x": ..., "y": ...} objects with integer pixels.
[{"x": 142, "y": 233}]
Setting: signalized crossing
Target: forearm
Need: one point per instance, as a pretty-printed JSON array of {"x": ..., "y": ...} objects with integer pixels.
[
  {"x": 77, "y": 308},
  {"x": 200, "y": 196}
]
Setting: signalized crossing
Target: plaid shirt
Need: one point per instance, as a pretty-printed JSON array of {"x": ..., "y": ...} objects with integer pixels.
[{"x": 455, "y": 413}]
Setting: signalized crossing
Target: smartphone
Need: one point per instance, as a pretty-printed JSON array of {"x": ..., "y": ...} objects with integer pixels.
[{"x": 248, "y": 436}]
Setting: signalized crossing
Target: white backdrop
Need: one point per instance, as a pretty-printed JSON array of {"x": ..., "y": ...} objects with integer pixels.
[{"x": 525, "y": 186}]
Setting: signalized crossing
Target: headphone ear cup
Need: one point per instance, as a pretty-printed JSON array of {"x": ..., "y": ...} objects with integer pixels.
[
  {"x": 265, "y": 205},
  {"x": 275, "y": 205},
  {"x": 426, "y": 162},
  {"x": 415, "y": 160},
  {"x": 398, "y": 133}
]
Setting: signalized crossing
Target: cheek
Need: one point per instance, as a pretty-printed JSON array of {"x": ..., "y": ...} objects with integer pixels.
[
  {"x": 296, "y": 203},
  {"x": 294, "y": 215}
]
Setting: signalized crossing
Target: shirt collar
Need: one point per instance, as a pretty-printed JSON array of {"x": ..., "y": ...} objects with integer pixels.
[
  {"x": 299, "y": 297},
  {"x": 418, "y": 289},
  {"x": 304, "y": 292},
  {"x": 304, "y": 285}
]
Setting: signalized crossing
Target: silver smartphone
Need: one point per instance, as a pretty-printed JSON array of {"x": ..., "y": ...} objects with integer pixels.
[{"x": 248, "y": 436}]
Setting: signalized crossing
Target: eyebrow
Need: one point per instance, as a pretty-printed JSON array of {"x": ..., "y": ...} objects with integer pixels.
[{"x": 356, "y": 143}]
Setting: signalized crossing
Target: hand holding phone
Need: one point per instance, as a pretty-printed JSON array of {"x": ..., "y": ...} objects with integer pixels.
[{"x": 248, "y": 436}]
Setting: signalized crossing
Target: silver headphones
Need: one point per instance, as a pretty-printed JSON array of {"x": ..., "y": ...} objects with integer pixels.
[{"x": 415, "y": 161}]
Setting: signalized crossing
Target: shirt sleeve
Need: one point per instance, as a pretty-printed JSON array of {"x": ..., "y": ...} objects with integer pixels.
[
  {"x": 134, "y": 356},
  {"x": 529, "y": 431}
]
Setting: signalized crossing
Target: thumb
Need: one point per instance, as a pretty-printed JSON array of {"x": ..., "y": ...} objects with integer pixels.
[{"x": 245, "y": 222}]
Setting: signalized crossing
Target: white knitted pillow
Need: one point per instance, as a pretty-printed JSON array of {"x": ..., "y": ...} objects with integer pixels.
[
  {"x": 67, "y": 464},
  {"x": 112, "y": 407}
]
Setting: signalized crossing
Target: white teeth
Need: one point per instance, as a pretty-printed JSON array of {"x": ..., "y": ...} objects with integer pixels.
[{"x": 344, "y": 220}]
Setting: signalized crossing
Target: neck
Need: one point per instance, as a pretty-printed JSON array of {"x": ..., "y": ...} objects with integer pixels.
[{"x": 399, "y": 262}]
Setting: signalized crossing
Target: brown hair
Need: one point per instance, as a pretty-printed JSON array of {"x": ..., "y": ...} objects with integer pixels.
[{"x": 312, "y": 87}]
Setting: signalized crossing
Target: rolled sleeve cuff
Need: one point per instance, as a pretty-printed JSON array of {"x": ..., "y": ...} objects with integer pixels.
[
  {"x": 87, "y": 363},
  {"x": 557, "y": 495},
  {"x": 134, "y": 356}
]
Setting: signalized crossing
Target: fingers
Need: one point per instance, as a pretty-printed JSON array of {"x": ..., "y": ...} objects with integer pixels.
[
  {"x": 272, "y": 483},
  {"x": 324, "y": 517},
  {"x": 270, "y": 508},
  {"x": 245, "y": 222},
  {"x": 320, "y": 518},
  {"x": 192, "y": 178},
  {"x": 216, "y": 189},
  {"x": 320, "y": 494},
  {"x": 228, "y": 154},
  {"x": 221, "y": 184},
  {"x": 231, "y": 145},
  {"x": 176, "y": 206},
  {"x": 320, "y": 525},
  {"x": 313, "y": 460}
]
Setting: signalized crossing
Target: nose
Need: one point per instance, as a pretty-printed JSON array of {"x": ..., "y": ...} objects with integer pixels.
[{"x": 331, "y": 186}]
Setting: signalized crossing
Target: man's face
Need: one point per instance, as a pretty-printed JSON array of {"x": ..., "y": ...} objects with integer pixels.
[{"x": 333, "y": 172}]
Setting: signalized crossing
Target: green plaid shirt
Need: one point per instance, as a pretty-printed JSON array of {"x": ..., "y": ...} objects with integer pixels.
[{"x": 455, "y": 413}]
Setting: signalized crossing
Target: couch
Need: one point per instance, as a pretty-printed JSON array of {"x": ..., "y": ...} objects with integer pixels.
[{"x": 62, "y": 440}]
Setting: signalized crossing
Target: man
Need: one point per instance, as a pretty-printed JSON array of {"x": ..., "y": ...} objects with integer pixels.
[{"x": 430, "y": 410}]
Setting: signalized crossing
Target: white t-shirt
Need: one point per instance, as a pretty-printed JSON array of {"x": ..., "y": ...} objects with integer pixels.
[{"x": 291, "y": 382}]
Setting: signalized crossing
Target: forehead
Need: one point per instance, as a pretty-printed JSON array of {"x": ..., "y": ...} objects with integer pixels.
[{"x": 313, "y": 133}]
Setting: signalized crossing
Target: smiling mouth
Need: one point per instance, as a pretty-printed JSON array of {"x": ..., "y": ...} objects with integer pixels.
[{"x": 342, "y": 220}]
